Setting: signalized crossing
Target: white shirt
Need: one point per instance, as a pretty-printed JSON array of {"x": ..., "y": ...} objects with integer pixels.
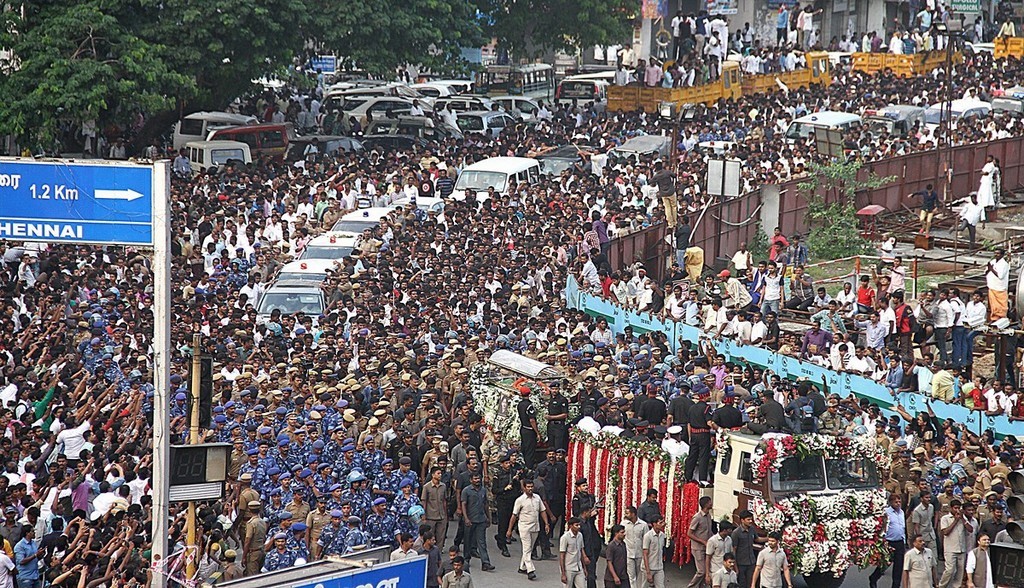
[
  {"x": 943, "y": 315},
  {"x": 972, "y": 563},
  {"x": 527, "y": 509},
  {"x": 6, "y": 569},
  {"x": 998, "y": 278},
  {"x": 975, "y": 314},
  {"x": 73, "y": 440},
  {"x": 572, "y": 546}
]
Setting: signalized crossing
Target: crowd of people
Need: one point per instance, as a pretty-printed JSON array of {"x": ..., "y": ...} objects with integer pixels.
[{"x": 356, "y": 428}]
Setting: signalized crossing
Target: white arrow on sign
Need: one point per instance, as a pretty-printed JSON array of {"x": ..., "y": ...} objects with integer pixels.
[{"x": 128, "y": 195}]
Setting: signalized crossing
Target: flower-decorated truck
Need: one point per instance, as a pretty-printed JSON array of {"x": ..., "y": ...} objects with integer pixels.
[{"x": 821, "y": 492}]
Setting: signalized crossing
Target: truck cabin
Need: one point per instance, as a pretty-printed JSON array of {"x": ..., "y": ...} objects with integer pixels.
[{"x": 735, "y": 482}]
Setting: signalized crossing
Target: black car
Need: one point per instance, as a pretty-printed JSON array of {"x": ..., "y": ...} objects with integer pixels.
[
  {"x": 329, "y": 145},
  {"x": 559, "y": 159},
  {"x": 388, "y": 142}
]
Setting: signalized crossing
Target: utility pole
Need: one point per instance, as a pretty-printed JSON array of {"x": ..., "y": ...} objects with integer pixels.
[
  {"x": 161, "y": 364},
  {"x": 193, "y": 439}
]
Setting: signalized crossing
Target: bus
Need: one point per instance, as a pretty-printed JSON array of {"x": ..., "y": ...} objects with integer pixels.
[{"x": 533, "y": 80}]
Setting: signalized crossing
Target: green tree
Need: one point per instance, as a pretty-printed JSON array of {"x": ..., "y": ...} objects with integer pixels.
[
  {"x": 528, "y": 28},
  {"x": 830, "y": 190},
  {"x": 106, "y": 60},
  {"x": 382, "y": 35}
]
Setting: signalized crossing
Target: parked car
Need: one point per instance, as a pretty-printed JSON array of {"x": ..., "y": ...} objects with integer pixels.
[
  {"x": 205, "y": 155},
  {"x": 424, "y": 127},
  {"x": 489, "y": 124},
  {"x": 559, "y": 159},
  {"x": 269, "y": 139},
  {"x": 328, "y": 145},
  {"x": 383, "y": 107},
  {"x": 464, "y": 103},
  {"x": 524, "y": 108},
  {"x": 398, "y": 142}
]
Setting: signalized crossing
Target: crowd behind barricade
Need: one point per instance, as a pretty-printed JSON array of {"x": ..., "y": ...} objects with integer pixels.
[{"x": 356, "y": 427}]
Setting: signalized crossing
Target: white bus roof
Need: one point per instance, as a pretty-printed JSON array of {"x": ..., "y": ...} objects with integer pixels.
[{"x": 222, "y": 117}]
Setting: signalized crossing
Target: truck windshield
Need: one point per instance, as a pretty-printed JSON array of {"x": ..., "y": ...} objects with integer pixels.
[
  {"x": 847, "y": 474},
  {"x": 799, "y": 474}
]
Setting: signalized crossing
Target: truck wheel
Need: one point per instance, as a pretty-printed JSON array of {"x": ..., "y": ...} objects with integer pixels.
[{"x": 826, "y": 580}]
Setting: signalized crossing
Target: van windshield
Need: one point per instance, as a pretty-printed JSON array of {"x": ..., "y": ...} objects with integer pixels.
[
  {"x": 354, "y": 226},
  {"x": 291, "y": 303},
  {"x": 577, "y": 90},
  {"x": 1008, "y": 105},
  {"x": 882, "y": 124},
  {"x": 799, "y": 474},
  {"x": 481, "y": 180},
  {"x": 851, "y": 474},
  {"x": 934, "y": 116},
  {"x": 325, "y": 252},
  {"x": 222, "y": 156}
]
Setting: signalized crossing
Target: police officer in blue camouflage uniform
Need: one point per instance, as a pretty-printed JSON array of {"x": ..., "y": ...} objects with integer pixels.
[
  {"x": 332, "y": 538},
  {"x": 336, "y": 496},
  {"x": 297, "y": 542},
  {"x": 381, "y": 525},
  {"x": 372, "y": 459},
  {"x": 386, "y": 484},
  {"x": 356, "y": 538},
  {"x": 281, "y": 556},
  {"x": 178, "y": 409},
  {"x": 349, "y": 462},
  {"x": 275, "y": 511}
]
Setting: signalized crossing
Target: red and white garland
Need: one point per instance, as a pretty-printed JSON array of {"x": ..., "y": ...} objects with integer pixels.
[{"x": 620, "y": 472}]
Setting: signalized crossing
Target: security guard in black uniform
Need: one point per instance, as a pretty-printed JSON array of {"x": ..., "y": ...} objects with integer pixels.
[
  {"x": 679, "y": 408},
  {"x": 582, "y": 499},
  {"x": 700, "y": 439},
  {"x": 506, "y": 488},
  {"x": 527, "y": 427},
  {"x": 558, "y": 414},
  {"x": 728, "y": 416}
]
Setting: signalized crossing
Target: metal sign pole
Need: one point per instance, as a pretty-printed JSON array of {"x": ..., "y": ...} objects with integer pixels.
[{"x": 161, "y": 354}]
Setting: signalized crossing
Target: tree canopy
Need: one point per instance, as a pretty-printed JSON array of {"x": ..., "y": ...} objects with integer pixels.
[{"x": 72, "y": 61}]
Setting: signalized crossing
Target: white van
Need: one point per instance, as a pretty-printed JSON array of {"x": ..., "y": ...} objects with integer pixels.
[
  {"x": 956, "y": 109},
  {"x": 804, "y": 126},
  {"x": 202, "y": 155},
  {"x": 307, "y": 270},
  {"x": 331, "y": 245},
  {"x": 501, "y": 173},
  {"x": 359, "y": 220},
  {"x": 199, "y": 125},
  {"x": 291, "y": 297},
  {"x": 584, "y": 88}
]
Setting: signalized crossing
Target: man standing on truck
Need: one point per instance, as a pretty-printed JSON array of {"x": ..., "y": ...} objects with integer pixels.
[
  {"x": 700, "y": 439},
  {"x": 527, "y": 427}
]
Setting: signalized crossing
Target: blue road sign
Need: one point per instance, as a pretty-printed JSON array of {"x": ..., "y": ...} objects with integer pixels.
[
  {"x": 76, "y": 202},
  {"x": 406, "y": 573},
  {"x": 327, "y": 64}
]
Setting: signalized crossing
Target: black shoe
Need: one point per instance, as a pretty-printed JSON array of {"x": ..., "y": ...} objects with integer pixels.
[
  {"x": 505, "y": 553},
  {"x": 547, "y": 555},
  {"x": 522, "y": 571},
  {"x": 487, "y": 568},
  {"x": 532, "y": 576}
]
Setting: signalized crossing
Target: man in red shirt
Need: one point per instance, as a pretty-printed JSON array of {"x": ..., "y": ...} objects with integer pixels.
[{"x": 904, "y": 323}]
